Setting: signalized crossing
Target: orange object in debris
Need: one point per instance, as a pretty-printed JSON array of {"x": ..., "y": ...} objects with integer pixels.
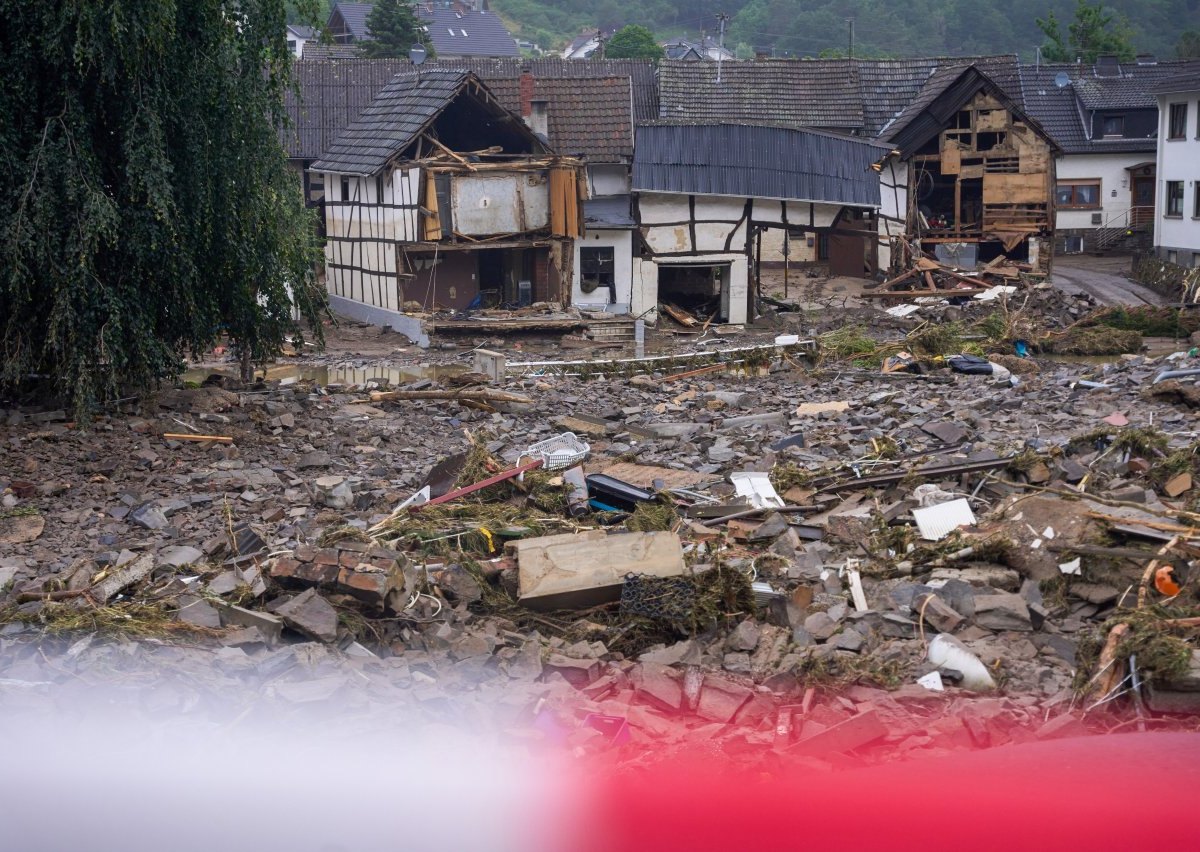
[{"x": 1164, "y": 581}]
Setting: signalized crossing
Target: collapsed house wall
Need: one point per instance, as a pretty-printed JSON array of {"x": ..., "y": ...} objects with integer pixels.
[
  {"x": 985, "y": 181},
  {"x": 440, "y": 233}
]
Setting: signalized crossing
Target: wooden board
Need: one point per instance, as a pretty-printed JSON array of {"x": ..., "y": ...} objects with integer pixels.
[
  {"x": 1015, "y": 189},
  {"x": 992, "y": 120},
  {"x": 643, "y": 475},
  {"x": 951, "y": 156},
  {"x": 1034, "y": 160},
  {"x": 586, "y": 569}
]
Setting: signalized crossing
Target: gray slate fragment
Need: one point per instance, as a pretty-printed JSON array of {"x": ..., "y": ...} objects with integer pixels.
[
  {"x": 310, "y": 614},
  {"x": 180, "y": 555},
  {"x": 1002, "y": 612},
  {"x": 148, "y": 517}
]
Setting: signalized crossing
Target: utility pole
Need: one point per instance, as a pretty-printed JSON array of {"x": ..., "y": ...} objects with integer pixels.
[
  {"x": 850, "y": 43},
  {"x": 600, "y": 39},
  {"x": 722, "y": 17}
]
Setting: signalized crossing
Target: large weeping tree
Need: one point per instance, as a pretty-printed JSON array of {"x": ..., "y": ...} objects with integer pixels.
[{"x": 147, "y": 205}]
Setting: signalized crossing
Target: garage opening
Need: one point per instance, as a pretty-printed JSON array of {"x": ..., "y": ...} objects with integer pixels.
[{"x": 700, "y": 289}]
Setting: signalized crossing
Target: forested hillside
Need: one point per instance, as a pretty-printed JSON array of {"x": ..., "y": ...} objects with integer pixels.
[{"x": 881, "y": 27}]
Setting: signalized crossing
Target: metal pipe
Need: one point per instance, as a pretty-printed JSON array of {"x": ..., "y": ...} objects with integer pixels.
[{"x": 1175, "y": 374}]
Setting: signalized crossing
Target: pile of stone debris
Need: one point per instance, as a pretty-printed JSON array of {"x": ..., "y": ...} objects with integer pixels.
[{"x": 814, "y": 558}]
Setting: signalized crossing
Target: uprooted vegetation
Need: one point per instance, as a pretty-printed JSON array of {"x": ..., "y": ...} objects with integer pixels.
[
  {"x": 1108, "y": 331},
  {"x": 1155, "y": 640}
]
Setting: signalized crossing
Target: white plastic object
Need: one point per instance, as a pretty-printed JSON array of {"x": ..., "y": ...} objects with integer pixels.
[
  {"x": 561, "y": 451},
  {"x": 946, "y": 652}
]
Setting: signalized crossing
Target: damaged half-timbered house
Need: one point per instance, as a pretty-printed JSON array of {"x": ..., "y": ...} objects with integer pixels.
[
  {"x": 706, "y": 194},
  {"x": 972, "y": 172},
  {"x": 437, "y": 197}
]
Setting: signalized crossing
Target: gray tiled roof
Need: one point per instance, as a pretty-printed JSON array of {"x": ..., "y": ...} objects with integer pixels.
[
  {"x": 800, "y": 93},
  {"x": 860, "y": 95},
  {"x": 1063, "y": 110},
  {"x": 1187, "y": 82},
  {"x": 1055, "y": 109},
  {"x": 468, "y": 34},
  {"x": 332, "y": 93},
  {"x": 331, "y": 96},
  {"x": 355, "y": 16},
  {"x": 391, "y": 122},
  {"x": 1134, "y": 89},
  {"x": 756, "y": 161}
]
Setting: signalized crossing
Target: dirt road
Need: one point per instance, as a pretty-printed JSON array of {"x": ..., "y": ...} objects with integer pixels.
[{"x": 1104, "y": 279}]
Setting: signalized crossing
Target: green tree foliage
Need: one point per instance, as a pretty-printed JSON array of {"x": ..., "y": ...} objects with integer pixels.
[
  {"x": 1094, "y": 32},
  {"x": 1188, "y": 46},
  {"x": 148, "y": 206},
  {"x": 633, "y": 42},
  {"x": 395, "y": 28},
  {"x": 881, "y": 27}
]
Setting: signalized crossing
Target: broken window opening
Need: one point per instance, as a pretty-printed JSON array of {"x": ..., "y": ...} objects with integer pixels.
[
  {"x": 597, "y": 271},
  {"x": 990, "y": 141}
]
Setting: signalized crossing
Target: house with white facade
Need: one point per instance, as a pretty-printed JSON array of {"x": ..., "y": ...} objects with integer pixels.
[
  {"x": 1177, "y": 223},
  {"x": 705, "y": 194},
  {"x": 1104, "y": 119},
  {"x": 297, "y": 37}
]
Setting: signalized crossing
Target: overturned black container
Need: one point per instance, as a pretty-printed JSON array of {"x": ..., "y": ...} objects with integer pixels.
[{"x": 616, "y": 493}]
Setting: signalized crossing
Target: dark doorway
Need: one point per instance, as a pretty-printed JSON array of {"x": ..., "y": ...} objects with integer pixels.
[
  {"x": 701, "y": 289},
  {"x": 491, "y": 277}
]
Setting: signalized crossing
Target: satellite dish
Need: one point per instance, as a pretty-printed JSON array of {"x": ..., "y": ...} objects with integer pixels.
[
  {"x": 1062, "y": 78},
  {"x": 417, "y": 54}
]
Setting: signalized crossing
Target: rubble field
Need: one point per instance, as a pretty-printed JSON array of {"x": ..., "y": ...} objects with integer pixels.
[{"x": 854, "y": 551}]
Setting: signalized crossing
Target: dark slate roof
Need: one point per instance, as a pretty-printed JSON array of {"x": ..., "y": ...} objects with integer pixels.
[
  {"x": 948, "y": 89},
  {"x": 1063, "y": 110},
  {"x": 467, "y": 34},
  {"x": 392, "y": 121},
  {"x": 331, "y": 96},
  {"x": 1178, "y": 83},
  {"x": 800, "y": 93},
  {"x": 1057, "y": 111},
  {"x": 589, "y": 116},
  {"x": 332, "y": 93},
  {"x": 355, "y": 16},
  {"x": 611, "y": 211},
  {"x": 756, "y": 161},
  {"x": 859, "y": 95},
  {"x": 890, "y": 85},
  {"x": 1134, "y": 89},
  {"x": 301, "y": 31}
]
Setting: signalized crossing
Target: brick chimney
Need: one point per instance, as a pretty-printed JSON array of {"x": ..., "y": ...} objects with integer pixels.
[{"x": 526, "y": 93}]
